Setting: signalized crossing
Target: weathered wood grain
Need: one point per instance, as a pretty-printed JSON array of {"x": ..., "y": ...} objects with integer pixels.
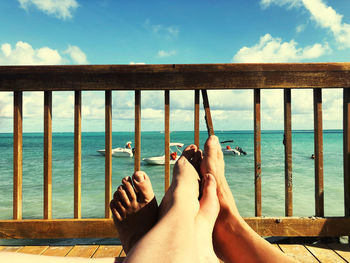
[
  {"x": 175, "y": 76},
  {"x": 17, "y": 154},
  {"x": 318, "y": 138},
  {"x": 137, "y": 154},
  {"x": 346, "y": 149},
  {"x": 257, "y": 152},
  {"x": 196, "y": 117},
  {"x": 287, "y": 140},
  {"x": 298, "y": 252},
  {"x": 77, "y": 154},
  {"x": 323, "y": 254},
  {"x": 108, "y": 152},
  {"x": 47, "y": 154},
  {"x": 104, "y": 228},
  {"x": 166, "y": 140}
]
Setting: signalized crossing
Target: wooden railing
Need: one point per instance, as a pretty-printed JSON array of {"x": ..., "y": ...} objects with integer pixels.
[{"x": 19, "y": 79}]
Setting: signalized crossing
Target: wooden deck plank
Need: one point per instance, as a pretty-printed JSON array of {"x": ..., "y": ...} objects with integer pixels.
[
  {"x": 35, "y": 250},
  {"x": 58, "y": 251},
  {"x": 83, "y": 251},
  {"x": 298, "y": 252},
  {"x": 106, "y": 251},
  {"x": 341, "y": 249},
  {"x": 324, "y": 254},
  {"x": 11, "y": 248}
]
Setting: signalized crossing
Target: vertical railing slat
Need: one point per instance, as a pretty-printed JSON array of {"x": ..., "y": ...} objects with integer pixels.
[
  {"x": 257, "y": 152},
  {"x": 137, "y": 156},
  {"x": 346, "y": 145},
  {"x": 47, "y": 154},
  {"x": 108, "y": 151},
  {"x": 17, "y": 154},
  {"x": 196, "y": 117},
  {"x": 77, "y": 154},
  {"x": 288, "y": 153},
  {"x": 208, "y": 119},
  {"x": 167, "y": 138},
  {"x": 318, "y": 137}
]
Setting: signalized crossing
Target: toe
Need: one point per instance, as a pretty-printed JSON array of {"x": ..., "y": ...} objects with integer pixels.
[
  {"x": 189, "y": 152},
  {"x": 211, "y": 147},
  {"x": 122, "y": 196},
  {"x": 129, "y": 189},
  {"x": 115, "y": 213},
  {"x": 143, "y": 186}
]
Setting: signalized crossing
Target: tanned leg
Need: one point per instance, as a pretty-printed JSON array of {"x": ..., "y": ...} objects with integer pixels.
[
  {"x": 234, "y": 240},
  {"x": 182, "y": 216}
]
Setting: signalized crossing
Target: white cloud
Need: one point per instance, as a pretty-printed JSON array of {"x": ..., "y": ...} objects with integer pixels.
[
  {"x": 168, "y": 32},
  {"x": 324, "y": 16},
  {"x": 165, "y": 54},
  {"x": 61, "y": 9},
  {"x": 137, "y": 63},
  {"x": 300, "y": 28},
  {"x": 270, "y": 49},
  {"x": 77, "y": 56},
  {"x": 24, "y": 54}
]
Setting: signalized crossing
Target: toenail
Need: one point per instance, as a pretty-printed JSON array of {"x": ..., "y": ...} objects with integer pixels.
[{"x": 139, "y": 177}]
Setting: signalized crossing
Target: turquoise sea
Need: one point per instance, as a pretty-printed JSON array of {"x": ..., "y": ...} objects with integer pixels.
[{"x": 239, "y": 171}]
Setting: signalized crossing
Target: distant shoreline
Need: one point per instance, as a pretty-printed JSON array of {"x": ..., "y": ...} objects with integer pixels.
[{"x": 218, "y": 131}]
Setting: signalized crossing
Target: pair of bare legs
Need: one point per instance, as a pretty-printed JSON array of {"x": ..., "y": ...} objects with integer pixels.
[{"x": 183, "y": 228}]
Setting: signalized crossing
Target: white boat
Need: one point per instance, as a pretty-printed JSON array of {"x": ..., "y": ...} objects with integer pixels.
[
  {"x": 160, "y": 160},
  {"x": 228, "y": 150},
  {"x": 120, "y": 152}
]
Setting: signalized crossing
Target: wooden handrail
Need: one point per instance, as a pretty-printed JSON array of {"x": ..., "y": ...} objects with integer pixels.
[{"x": 175, "y": 77}]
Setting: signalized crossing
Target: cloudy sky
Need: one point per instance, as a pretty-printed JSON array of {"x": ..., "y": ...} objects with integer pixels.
[{"x": 55, "y": 32}]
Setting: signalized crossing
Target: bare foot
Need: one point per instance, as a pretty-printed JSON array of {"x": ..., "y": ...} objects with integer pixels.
[
  {"x": 134, "y": 209},
  {"x": 185, "y": 182},
  {"x": 213, "y": 162}
]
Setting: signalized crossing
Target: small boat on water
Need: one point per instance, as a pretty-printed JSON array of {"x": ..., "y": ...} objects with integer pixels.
[
  {"x": 175, "y": 153},
  {"x": 229, "y": 150},
  {"x": 127, "y": 151}
]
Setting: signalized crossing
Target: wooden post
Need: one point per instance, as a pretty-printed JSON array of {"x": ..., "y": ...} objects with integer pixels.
[
  {"x": 287, "y": 140},
  {"x": 167, "y": 139},
  {"x": 137, "y": 155},
  {"x": 47, "y": 154},
  {"x": 318, "y": 136},
  {"x": 257, "y": 152},
  {"x": 17, "y": 154},
  {"x": 77, "y": 154},
  {"x": 196, "y": 118},
  {"x": 208, "y": 119},
  {"x": 346, "y": 145},
  {"x": 108, "y": 151}
]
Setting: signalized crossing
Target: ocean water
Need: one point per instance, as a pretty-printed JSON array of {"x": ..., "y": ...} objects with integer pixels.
[{"x": 239, "y": 171}]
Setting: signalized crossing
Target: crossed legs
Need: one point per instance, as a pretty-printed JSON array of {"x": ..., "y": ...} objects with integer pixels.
[
  {"x": 189, "y": 230},
  {"x": 183, "y": 232}
]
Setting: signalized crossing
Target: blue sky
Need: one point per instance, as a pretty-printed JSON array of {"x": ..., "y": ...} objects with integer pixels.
[{"x": 39, "y": 32}]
